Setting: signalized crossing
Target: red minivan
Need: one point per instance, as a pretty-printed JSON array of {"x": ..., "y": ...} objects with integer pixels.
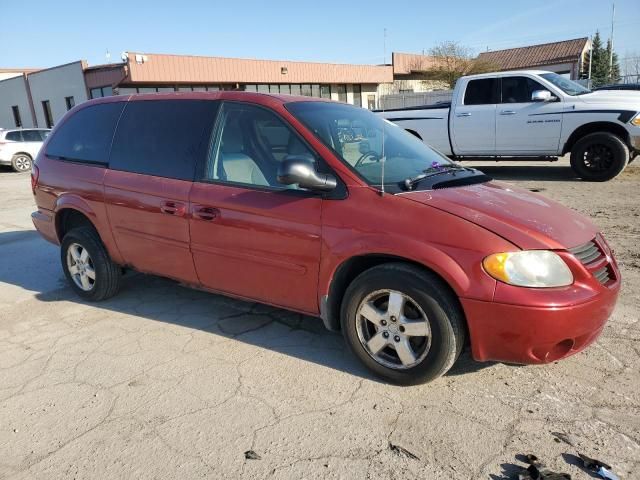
[{"x": 328, "y": 210}]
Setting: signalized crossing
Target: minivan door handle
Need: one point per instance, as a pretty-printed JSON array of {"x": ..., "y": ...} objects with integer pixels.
[
  {"x": 169, "y": 207},
  {"x": 203, "y": 212}
]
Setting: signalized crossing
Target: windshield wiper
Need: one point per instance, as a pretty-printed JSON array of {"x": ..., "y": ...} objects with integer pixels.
[{"x": 411, "y": 182}]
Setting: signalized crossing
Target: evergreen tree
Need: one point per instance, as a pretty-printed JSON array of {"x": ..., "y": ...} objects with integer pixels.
[
  {"x": 613, "y": 68},
  {"x": 599, "y": 62}
]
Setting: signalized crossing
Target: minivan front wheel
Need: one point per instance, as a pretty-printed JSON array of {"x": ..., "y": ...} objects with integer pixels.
[
  {"x": 21, "y": 162},
  {"x": 403, "y": 323},
  {"x": 87, "y": 265}
]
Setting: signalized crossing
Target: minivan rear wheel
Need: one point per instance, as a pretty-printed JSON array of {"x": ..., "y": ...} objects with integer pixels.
[
  {"x": 403, "y": 323},
  {"x": 21, "y": 162},
  {"x": 87, "y": 265}
]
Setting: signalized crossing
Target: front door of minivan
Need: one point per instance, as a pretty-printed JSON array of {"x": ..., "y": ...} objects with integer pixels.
[
  {"x": 156, "y": 147},
  {"x": 251, "y": 236}
]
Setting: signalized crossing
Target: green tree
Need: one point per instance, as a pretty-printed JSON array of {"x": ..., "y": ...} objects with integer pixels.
[
  {"x": 613, "y": 68},
  {"x": 599, "y": 62}
]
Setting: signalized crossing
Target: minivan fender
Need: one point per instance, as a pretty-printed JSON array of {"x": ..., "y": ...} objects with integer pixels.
[{"x": 71, "y": 201}]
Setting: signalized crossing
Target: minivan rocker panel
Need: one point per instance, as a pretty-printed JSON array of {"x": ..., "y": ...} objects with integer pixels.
[{"x": 200, "y": 187}]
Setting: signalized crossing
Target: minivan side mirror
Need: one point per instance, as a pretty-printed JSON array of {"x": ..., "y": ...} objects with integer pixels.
[
  {"x": 298, "y": 169},
  {"x": 541, "y": 96}
]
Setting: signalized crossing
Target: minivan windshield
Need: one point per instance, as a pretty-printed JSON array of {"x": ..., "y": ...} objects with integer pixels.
[
  {"x": 366, "y": 142},
  {"x": 567, "y": 86}
]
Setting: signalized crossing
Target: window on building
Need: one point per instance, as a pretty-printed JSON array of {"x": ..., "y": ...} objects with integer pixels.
[
  {"x": 263, "y": 88},
  {"x": 147, "y": 90},
  {"x": 166, "y": 89},
  {"x": 357, "y": 95},
  {"x": 213, "y": 88},
  {"x": 86, "y": 135},
  {"x": 250, "y": 88},
  {"x": 164, "y": 138},
  {"x": 342, "y": 93},
  {"x": 105, "y": 91},
  {"x": 315, "y": 91},
  {"x": 325, "y": 91},
  {"x": 70, "y": 102},
  {"x": 46, "y": 110},
  {"x": 306, "y": 90},
  {"x": 199, "y": 89},
  {"x": 16, "y": 116},
  {"x": 274, "y": 89},
  {"x": 519, "y": 89},
  {"x": 127, "y": 91},
  {"x": 96, "y": 92},
  {"x": 371, "y": 102},
  {"x": 481, "y": 92},
  {"x": 286, "y": 89},
  {"x": 295, "y": 90}
]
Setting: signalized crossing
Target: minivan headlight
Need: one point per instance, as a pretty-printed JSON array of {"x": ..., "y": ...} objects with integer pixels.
[{"x": 529, "y": 268}]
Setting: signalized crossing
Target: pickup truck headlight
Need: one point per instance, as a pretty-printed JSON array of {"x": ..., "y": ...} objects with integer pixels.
[
  {"x": 529, "y": 268},
  {"x": 636, "y": 120}
]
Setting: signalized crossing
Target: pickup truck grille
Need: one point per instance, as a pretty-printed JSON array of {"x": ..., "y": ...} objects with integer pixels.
[{"x": 592, "y": 256}]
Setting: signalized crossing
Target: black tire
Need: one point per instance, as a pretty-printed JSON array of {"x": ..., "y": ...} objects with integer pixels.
[
  {"x": 107, "y": 274},
  {"x": 439, "y": 304},
  {"x": 21, "y": 162},
  {"x": 599, "y": 157}
]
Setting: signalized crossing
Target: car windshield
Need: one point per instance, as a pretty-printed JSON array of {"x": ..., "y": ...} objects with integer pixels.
[
  {"x": 567, "y": 86},
  {"x": 366, "y": 142}
]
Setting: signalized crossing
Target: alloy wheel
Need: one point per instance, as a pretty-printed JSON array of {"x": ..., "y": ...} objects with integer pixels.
[
  {"x": 598, "y": 157},
  {"x": 393, "y": 329},
  {"x": 22, "y": 163},
  {"x": 81, "y": 267}
]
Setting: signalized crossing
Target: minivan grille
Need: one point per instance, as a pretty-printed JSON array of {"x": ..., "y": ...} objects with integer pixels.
[{"x": 592, "y": 256}]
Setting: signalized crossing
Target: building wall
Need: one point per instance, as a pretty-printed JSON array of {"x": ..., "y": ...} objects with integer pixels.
[
  {"x": 13, "y": 91},
  {"x": 54, "y": 85}
]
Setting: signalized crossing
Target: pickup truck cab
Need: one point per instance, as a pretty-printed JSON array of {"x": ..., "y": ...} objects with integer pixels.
[{"x": 531, "y": 115}]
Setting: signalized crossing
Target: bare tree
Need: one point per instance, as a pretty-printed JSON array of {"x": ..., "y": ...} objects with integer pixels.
[
  {"x": 631, "y": 67},
  {"x": 452, "y": 60}
]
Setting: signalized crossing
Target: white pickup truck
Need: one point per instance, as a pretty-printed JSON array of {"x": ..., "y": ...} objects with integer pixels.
[{"x": 531, "y": 115}]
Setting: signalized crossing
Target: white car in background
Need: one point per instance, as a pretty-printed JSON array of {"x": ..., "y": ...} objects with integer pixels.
[{"x": 19, "y": 147}]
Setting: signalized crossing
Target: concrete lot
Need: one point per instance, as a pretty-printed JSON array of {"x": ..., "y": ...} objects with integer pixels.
[{"x": 167, "y": 382}]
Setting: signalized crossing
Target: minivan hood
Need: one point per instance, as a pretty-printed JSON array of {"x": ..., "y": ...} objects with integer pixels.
[{"x": 527, "y": 220}]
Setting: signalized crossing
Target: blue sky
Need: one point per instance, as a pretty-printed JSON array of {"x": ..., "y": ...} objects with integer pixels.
[{"x": 333, "y": 31}]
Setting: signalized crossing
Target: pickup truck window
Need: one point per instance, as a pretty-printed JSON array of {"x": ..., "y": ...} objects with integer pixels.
[
  {"x": 519, "y": 89},
  {"x": 567, "y": 86},
  {"x": 481, "y": 92}
]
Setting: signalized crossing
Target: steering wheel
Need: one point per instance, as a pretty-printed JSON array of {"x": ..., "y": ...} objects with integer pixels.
[{"x": 370, "y": 153}]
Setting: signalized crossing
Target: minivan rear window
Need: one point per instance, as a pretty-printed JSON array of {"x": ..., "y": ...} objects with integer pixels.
[
  {"x": 163, "y": 138},
  {"x": 86, "y": 136}
]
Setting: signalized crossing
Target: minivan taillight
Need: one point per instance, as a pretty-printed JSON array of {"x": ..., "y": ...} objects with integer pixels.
[{"x": 35, "y": 173}]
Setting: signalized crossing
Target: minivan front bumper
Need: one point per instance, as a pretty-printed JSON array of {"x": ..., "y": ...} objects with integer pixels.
[{"x": 530, "y": 335}]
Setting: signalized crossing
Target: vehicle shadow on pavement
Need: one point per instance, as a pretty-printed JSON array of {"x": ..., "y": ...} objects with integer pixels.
[
  {"x": 162, "y": 300},
  {"x": 526, "y": 172}
]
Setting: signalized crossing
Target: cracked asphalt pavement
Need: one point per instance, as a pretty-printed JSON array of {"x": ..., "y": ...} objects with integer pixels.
[{"x": 167, "y": 382}]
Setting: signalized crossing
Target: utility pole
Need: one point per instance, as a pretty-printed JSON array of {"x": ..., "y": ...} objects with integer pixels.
[
  {"x": 590, "y": 61},
  {"x": 613, "y": 16}
]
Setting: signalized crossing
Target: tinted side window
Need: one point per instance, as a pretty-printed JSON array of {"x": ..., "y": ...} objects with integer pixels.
[
  {"x": 519, "y": 89},
  {"x": 164, "y": 138},
  {"x": 14, "y": 136},
  {"x": 31, "y": 136},
  {"x": 86, "y": 136},
  {"x": 481, "y": 92}
]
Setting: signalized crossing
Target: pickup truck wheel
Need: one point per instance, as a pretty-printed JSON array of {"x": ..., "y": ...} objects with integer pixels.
[
  {"x": 403, "y": 323},
  {"x": 599, "y": 157},
  {"x": 87, "y": 265},
  {"x": 21, "y": 162}
]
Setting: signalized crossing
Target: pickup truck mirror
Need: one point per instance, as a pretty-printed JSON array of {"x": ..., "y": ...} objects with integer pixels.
[
  {"x": 541, "y": 96},
  {"x": 298, "y": 169}
]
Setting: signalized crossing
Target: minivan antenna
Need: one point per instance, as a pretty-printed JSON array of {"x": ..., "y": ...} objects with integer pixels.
[{"x": 382, "y": 160}]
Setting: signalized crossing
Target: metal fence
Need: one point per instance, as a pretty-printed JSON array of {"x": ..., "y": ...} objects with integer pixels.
[{"x": 404, "y": 100}]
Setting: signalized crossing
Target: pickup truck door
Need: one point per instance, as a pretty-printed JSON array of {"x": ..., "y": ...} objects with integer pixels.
[
  {"x": 524, "y": 126},
  {"x": 473, "y": 118}
]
